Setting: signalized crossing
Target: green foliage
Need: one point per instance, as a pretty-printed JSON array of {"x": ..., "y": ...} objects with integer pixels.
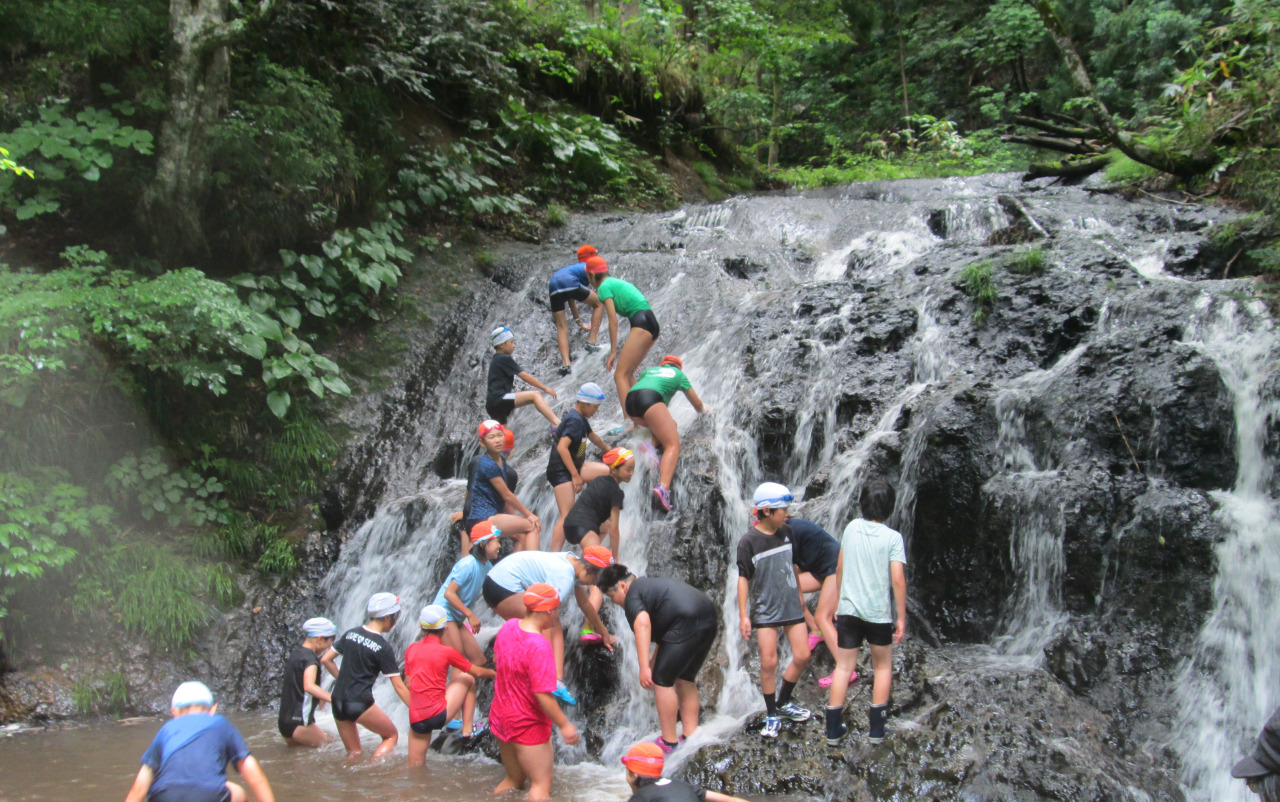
[
  {"x": 278, "y": 558},
  {"x": 1028, "y": 262},
  {"x": 146, "y": 486},
  {"x": 557, "y": 215},
  {"x": 975, "y": 281},
  {"x": 1123, "y": 170},
  {"x": 161, "y": 594},
  {"x": 111, "y": 695}
]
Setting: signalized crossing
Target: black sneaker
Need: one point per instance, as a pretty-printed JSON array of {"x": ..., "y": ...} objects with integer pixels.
[{"x": 565, "y": 370}]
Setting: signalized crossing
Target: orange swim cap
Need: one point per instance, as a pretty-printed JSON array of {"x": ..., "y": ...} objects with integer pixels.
[
  {"x": 672, "y": 359},
  {"x": 540, "y": 597},
  {"x": 508, "y": 440},
  {"x": 484, "y": 531},
  {"x": 597, "y": 265},
  {"x": 644, "y": 759},
  {"x": 616, "y": 456},
  {"x": 585, "y": 252},
  {"x": 598, "y": 556}
]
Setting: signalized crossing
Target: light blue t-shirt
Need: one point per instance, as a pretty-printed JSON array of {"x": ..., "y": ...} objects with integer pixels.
[
  {"x": 868, "y": 549},
  {"x": 516, "y": 572},
  {"x": 469, "y": 573}
]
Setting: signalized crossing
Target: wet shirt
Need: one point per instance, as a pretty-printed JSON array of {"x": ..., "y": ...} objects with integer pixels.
[
  {"x": 469, "y": 573},
  {"x": 569, "y": 278},
  {"x": 293, "y": 699},
  {"x": 192, "y": 752},
  {"x": 426, "y": 668},
  {"x": 813, "y": 548},
  {"x": 677, "y": 611},
  {"x": 485, "y": 499},
  {"x": 365, "y": 656},
  {"x": 595, "y": 503},
  {"x": 575, "y": 426},
  {"x": 627, "y": 300},
  {"x": 503, "y": 369},
  {"x": 525, "y": 665},
  {"x": 516, "y": 572},
  {"x": 869, "y": 547},
  {"x": 766, "y": 562},
  {"x": 665, "y": 380},
  {"x": 668, "y": 790}
]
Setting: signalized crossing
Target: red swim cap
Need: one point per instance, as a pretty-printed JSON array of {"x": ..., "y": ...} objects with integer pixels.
[
  {"x": 644, "y": 759},
  {"x": 540, "y": 597},
  {"x": 508, "y": 440},
  {"x": 488, "y": 426},
  {"x": 672, "y": 359},
  {"x": 597, "y": 265},
  {"x": 484, "y": 531},
  {"x": 598, "y": 556},
  {"x": 586, "y": 252}
]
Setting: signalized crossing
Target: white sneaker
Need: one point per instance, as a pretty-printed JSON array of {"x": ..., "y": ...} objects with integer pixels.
[
  {"x": 794, "y": 712},
  {"x": 771, "y": 726}
]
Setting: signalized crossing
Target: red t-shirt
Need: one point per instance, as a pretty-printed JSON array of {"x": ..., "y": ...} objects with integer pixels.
[
  {"x": 426, "y": 667},
  {"x": 525, "y": 665}
]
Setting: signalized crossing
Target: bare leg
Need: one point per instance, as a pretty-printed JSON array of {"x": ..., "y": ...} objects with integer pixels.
[
  {"x": 458, "y": 637},
  {"x": 798, "y": 637},
  {"x": 418, "y": 746},
  {"x": 687, "y": 693},
  {"x": 555, "y": 634},
  {"x": 526, "y": 397},
  {"x": 767, "y": 640},
  {"x": 668, "y": 702},
  {"x": 518, "y": 528},
  {"x": 237, "y": 793},
  {"x": 461, "y": 696},
  {"x": 562, "y": 335},
  {"x": 515, "y": 778},
  {"x": 350, "y": 738},
  {"x": 564, "y": 501},
  {"x": 536, "y": 764},
  {"x": 597, "y": 314},
  {"x": 882, "y": 665},
  {"x": 380, "y": 724},
  {"x": 659, "y": 421},
  {"x": 633, "y": 352},
  {"x": 828, "y": 599},
  {"x": 310, "y": 735},
  {"x": 846, "y": 659}
]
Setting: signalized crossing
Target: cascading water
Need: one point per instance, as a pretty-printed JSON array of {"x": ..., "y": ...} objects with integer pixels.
[{"x": 1231, "y": 685}]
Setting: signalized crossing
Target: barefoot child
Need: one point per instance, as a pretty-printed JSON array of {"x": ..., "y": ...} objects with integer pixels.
[
  {"x": 431, "y": 705},
  {"x": 569, "y": 285},
  {"x": 769, "y": 600},
  {"x": 187, "y": 760},
  {"x": 302, "y": 678},
  {"x": 461, "y": 590},
  {"x": 567, "y": 468},
  {"x": 500, "y": 400},
  {"x": 366, "y": 655},
  {"x": 647, "y": 405},
  {"x": 644, "y": 763},
  {"x": 872, "y": 560},
  {"x": 682, "y": 623},
  {"x": 524, "y": 706},
  {"x": 622, "y": 298},
  {"x": 492, "y": 500}
]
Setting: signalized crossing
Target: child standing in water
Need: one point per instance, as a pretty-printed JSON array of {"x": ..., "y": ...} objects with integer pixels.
[
  {"x": 366, "y": 655},
  {"x": 461, "y": 590},
  {"x": 302, "y": 679},
  {"x": 567, "y": 468},
  {"x": 622, "y": 298},
  {"x": 500, "y": 400},
  {"x": 489, "y": 497},
  {"x": 431, "y": 706},
  {"x": 769, "y": 600},
  {"x": 872, "y": 560},
  {"x": 524, "y": 706}
]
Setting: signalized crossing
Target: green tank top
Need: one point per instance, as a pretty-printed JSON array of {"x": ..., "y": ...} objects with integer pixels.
[{"x": 627, "y": 300}]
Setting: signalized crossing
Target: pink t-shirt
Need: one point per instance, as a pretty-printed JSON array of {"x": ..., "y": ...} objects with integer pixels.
[{"x": 525, "y": 665}]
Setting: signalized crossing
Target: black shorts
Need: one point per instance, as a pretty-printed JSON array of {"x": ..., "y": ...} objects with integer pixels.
[
  {"x": 639, "y": 401},
  {"x": 574, "y": 532},
  {"x": 560, "y": 299},
  {"x": 427, "y": 725},
  {"x": 500, "y": 409},
  {"x": 682, "y": 660},
  {"x": 350, "y": 709},
  {"x": 495, "y": 594},
  {"x": 287, "y": 727},
  {"x": 824, "y": 568},
  {"x": 557, "y": 474},
  {"x": 645, "y": 319},
  {"x": 851, "y": 631},
  {"x": 189, "y": 793}
]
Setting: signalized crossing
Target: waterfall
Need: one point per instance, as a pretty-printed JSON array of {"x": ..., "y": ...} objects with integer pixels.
[{"x": 1231, "y": 684}]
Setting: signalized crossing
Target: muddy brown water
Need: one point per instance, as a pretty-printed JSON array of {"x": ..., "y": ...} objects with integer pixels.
[{"x": 99, "y": 762}]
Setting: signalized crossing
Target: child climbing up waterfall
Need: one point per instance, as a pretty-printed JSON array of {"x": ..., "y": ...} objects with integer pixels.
[
  {"x": 501, "y": 400},
  {"x": 647, "y": 405},
  {"x": 567, "y": 468},
  {"x": 622, "y": 298},
  {"x": 568, "y": 286},
  {"x": 434, "y": 697},
  {"x": 489, "y": 498}
]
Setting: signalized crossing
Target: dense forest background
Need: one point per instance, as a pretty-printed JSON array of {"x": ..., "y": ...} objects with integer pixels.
[{"x": 203, "y": 203}]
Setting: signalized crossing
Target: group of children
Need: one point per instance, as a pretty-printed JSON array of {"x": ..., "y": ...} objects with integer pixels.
[{"x": 674, "y": 625}]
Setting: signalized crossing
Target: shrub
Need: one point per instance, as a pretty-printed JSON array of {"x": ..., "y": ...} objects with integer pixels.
[
  {"x": 975, "y": 280},
  {"x": 1029, "y": 262}
]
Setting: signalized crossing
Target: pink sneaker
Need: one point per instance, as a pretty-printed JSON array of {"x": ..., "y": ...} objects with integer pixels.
[
  {"x": 814, "y": 639},
  {"x": 590, "y": 637},
  {"x": 660, "y": 493},
  {"x": 664, "y": 746},
  {"x": 650, "y": 453},
  {"x": 825, "y": 682}
]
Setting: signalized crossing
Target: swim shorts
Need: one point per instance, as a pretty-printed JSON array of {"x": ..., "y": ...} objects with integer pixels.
[
  {"x": 350, "y": 709},
  {"x": 427, "y": 725},
  {"x": 645, "y": 319},
  {"x": 560, "y": 299},
  {"x": 851, "y": 631},
  {"x": 557, "y": 474},
  {"x": 574, "y": 533},
  {"x": 502, "y": 408},
  {"x": 683, "y": 660},
  {"x": 287, "y": 727},
  {"x": 639, "y": 401},
  {"x": 495, "y": 594}
]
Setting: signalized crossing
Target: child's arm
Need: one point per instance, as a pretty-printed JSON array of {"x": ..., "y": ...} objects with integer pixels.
[
  {"x": 744, "y": 620},
  {"x": 256, "y": 779},
  {"x": 808, "y": 616},
  {"x": 898, "y": 576},
  {"x": 510, "y": 500},
  {"x": 562, "y": 448},
  {"x": 328, "y": 662},
  {"x": 644, "y": 637},
  {"x": 593, "y": 616},
  {"x": 528, "y": 379},
  {"x": 598, "y": 442},
  {"x": 451, "y": 593},
  {"x": 613, "y": 334},
  {"x": 141, "y": 784},
  {"x": 552, "y": 708},
  {"x": 402, "y": 690},
  {"x": 698, "y": 405},
  {"x": 310, "y": 675},
  {"x": 615, "y": 529},
  {"x": 481, "y": 672},
  {"x": 573, "y": 307}
]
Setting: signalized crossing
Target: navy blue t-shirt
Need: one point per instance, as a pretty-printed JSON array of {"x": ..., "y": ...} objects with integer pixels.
[
  {"x": 573, "y": 425},
  {"x": 813, "y": 548},
  {"x": 192, "y": 752},
  {"x": 485, "y": 500}
]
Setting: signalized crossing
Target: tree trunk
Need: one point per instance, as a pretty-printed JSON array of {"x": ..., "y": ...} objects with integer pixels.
[
  {"x": 773, "y": 123},
  {"x": 902, "y": 71}
]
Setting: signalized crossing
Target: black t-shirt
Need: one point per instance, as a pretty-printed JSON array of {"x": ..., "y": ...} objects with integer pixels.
[
  {"x": 293, "y": 698},
  {"x": 595, "y": 503},
  {"x": 502, "y": 376},
  {"x": 365, "y": 656},
  {"x": 666, "y": 790},
  {"x": 677, "y": 611},
  {"x": 574, "y": 426},
  {"x": 812, "y": 547}
]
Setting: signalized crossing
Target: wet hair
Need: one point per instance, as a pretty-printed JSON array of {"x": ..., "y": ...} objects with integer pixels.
[
  {"x": 477, "y": 551},
  {"x": 611, "y": 576},
  {"x": 641, "y": 782},
  {"x": 877, "y": 500}
]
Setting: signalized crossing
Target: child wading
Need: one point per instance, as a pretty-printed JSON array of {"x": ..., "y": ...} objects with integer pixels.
[
  {"x": 431, "y": 705},
  {"x": 569, "y": 285},
  {"x": 302, "y": 679},
  {"x": 187, "y": 760},
  {"x": 366, "y": 655},
  {"x": 567, "y": 468},
  {"x": 622, "y": 298},
  {"x": 524, "y": 705},
  {"x": 461, "y": 590},
  {"x": 769, "y": 599},
  {"x": 681, "y": 622},
  {"x": 500, "y": 400},
  {"x": 490, "y": 499},
  {"x": 872, "y": 560},
  {"x": 644, "y": 775},
  {"x": 647, "y": 405}
]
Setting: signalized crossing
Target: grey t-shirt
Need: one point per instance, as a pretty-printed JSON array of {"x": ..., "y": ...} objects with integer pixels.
[
  {"x": 868, "y": 547},
  {"x": 765, "y": 561}
]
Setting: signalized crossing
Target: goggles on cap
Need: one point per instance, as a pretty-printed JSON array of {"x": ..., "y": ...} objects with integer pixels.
[
  {"x": 591, "y": 394},
  {"x": 644, "y": 760},
  {"x": 484, "y": 532},
  {"x": 541, "y": 597},
  {"x": 616, "y": 456},
  {"x": 488, "y": 426},
  {"x": 775, "y": 503}
]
